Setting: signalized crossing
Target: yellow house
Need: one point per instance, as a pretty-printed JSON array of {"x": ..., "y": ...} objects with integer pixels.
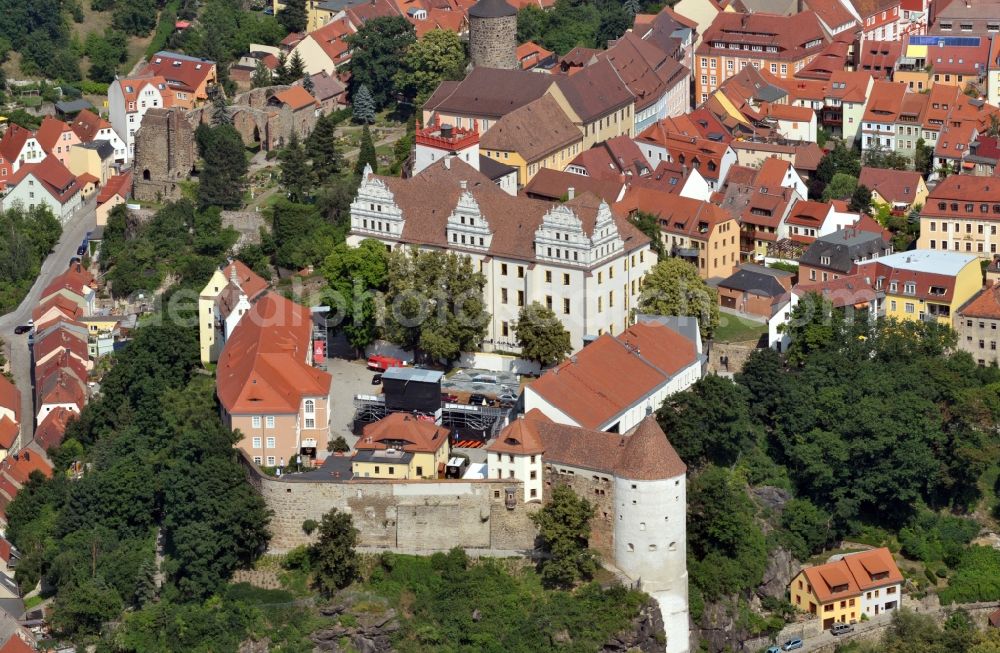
[
  {"x": 401, "y": 446},
  {"x": 535, "y": 136},
  {"x": 95, "y": 158},
  {"x": 864, "y": 583},
  {"x": 325, "y": 49},
  {"x": 223, "y": 301},
  {"x": 924, "y": 284},
  {"x": 901, "y": 190}
]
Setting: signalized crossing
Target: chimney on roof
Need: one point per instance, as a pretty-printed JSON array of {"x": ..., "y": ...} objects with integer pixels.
[{"x": 570, "y": 192}]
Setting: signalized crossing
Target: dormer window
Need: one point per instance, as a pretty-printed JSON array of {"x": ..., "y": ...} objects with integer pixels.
[{"x": 910, "y": 288}]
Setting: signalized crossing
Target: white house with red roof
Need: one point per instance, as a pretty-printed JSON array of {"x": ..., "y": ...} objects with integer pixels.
[
  {"x": 188, "y": 77},
  {"x": 47, "y": 182},
  {"x": 130, "y": 98},
  {"x": 615, "y": 381},
  {"x": 10, "y": 417},
  {"x": 326, "y": 49},
  {"x": 17, "y": 147}
]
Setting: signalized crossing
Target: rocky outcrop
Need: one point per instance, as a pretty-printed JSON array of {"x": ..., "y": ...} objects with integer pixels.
[
  {"x": 646, "y": 633},
  {"x": 781, "y": 568},
  {"x": 373, "y": 634}
]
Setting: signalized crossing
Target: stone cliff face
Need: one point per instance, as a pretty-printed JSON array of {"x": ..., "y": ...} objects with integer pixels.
[{"x": 646, "y": 634}]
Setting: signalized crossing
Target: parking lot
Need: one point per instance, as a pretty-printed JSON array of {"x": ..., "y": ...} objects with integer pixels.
[{"x": 350, "y": 378}]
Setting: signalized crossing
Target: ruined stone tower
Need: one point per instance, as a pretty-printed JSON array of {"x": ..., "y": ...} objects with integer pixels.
[
  {"x": 164, "y": 155},
  {"x": 493, "y": 34}
]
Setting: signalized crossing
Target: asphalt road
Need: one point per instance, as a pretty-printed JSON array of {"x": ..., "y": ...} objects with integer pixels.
[{"x": 17, "y": 345}]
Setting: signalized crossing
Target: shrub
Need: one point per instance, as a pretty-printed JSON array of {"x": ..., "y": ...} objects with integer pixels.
[{"x": 976, "y": 578}]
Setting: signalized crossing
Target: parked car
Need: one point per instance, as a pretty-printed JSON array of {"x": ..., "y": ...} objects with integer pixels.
[
  {"x": 773, "y": 649},
  {"x": 377, "y": 379},
  {"x": 382, "y": 363},
  {"x": 449, "y": 398},
  {"x": 23, "y": 328},
  {"x": 792, "y": 644},
  {"x": 507, "y": 398},
  {"x": 478, "y": 400},
  {"x": 841, "y": 628},
  {"x": 81, "y": 250}
]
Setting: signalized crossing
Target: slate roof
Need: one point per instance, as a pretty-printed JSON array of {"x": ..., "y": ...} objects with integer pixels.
[
  {"x": 843, "y": 247},
  {"x": 757, "y": 280},
  {"x": 492, "y": 9}
]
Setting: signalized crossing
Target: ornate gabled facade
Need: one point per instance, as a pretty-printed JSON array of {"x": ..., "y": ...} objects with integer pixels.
[{"x": 576, "y": 258}]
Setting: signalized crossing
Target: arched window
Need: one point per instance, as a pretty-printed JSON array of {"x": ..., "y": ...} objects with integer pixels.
[{"x": 310, "y": 406}]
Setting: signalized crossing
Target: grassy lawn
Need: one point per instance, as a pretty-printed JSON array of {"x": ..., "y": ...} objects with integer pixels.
[{"x": 737, "y": 329}]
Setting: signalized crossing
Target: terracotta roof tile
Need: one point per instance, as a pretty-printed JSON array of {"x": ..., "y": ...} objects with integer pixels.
[
  {"x": 120, "y": 185},
  {"x": 54, "y": 177},
  {"x": 789, "y": 33},
  {"x": 553, "y": 185},
  {"x": 646, "y": 70},
  {"x": 892, "y": 185},
  {"x": 52, "y": 429},
  {"x": 180, "y": 71},
  {"x": 262, "y": 367},
  {"x": 488, "y": 92},
  {"x": 642, "y": 454},
  {"x": 416, "y": 435},
  {"x": 296, "y": 97},
  {"x": 595, "y": 91},
  {"x": 10, "y": 397},
  {"x": 520, "y": 437},
  {"x": 613, "y": 373}
]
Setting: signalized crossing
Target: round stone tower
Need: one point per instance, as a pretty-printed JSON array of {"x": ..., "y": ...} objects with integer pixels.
[{"x": 493, "y": 34}]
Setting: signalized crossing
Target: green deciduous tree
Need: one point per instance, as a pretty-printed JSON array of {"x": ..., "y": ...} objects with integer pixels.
[
  {"x": 841, "y": 187},
  {"x": 293, "y": 17},
  {"x": 299, "y": 236},
  {"x": 434, "y": 303},
  {"x": 135, "y": 17},
  {"x": 807, "y": 529},
  {"x": 354, "y": 275},
  {"x": 378, "y": 51},
  {"x": 541, "y": 335},
  {"x": 564, "y": 528},
  {"x": 223, "y": 177},
  {"x": 438, "y": 56},
  {"x": 726, "y": 548},
  {"x": 673, "y": 287},
  {"x": 366, "y": 153},
  {"x": 709, "y": 422},
  {"x": 877, "y": 156},
  {"x": 333, "y": 558},
  {"x": 923, "y": 158}
]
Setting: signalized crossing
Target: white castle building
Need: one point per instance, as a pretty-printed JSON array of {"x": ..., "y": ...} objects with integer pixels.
[{"x": 576, "y": 258}]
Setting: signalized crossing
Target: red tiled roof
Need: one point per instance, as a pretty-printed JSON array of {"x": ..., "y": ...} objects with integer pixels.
[
  {"x": 262, "y": 367},
  {"x": 553, "y": 185},
  {"x": 180, "y": 71},
  {"x": 19, "y": 466},
  {"x": 641, "y": 454},
  {"x": 879, "y": 57},
  {"x": 520, "y": 437},
  {"x": 611, "y": 158},
  {"x": 87, "y": 124},
  {"x": 694, "y": 152},
  {"x": 53, "y": 176},
  {"x": 772, "y": 172},
  {"x": 61, "y": 386},
  {"x": 49, "y": 132},
  {"x": 536, "y": 130},
  {"x": 52, "y": 429},
  {"x": 646, "y": 70},
  {"x": 809, "y": 213},
  {"x": 985, "y": 303},
  {"x": 607, "y": 377},
  {"x": 332, "y": 39},
  {"x": 131, "y": 87},
  {"x": 530, "y": 54},
  {"x": 789, "y": 33},
  {"x": 75, "y": 278},
  {"x": 416, "y": 435},
  {"x": 120, "y": 185},
  {"x": 832, "y": 12},
  {"x": 841, "y": 292},
  {"x": 9, "y": 430},
  {"x": 61, "y": 338},
  {"x": 13, "y": 141},
  {"x": 10, "y": 397},
  {"x": 787, "y": 112},
  {"x": 16, "y": 645},
  {"x": 676, "y": 215},
  {"x": 893, "y": 185},
  {"x": 296, "y": 97}
]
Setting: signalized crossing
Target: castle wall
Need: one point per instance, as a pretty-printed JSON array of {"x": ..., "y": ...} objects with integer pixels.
[
  {"x": 596, "y": 487},
  {"x": 493, "y": 42},
  {"x": 405, "y": 515}
]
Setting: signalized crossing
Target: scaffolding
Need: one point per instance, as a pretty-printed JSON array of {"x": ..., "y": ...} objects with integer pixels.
[{"x": 481, "y": 422}]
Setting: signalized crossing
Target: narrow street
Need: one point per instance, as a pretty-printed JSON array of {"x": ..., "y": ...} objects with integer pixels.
[{"x": 17, "y": 345}]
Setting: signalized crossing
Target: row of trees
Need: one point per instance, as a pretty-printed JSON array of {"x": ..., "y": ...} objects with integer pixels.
[
  {"x": 26, "y": 238},
  {"x": 160, "y": 461}
]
